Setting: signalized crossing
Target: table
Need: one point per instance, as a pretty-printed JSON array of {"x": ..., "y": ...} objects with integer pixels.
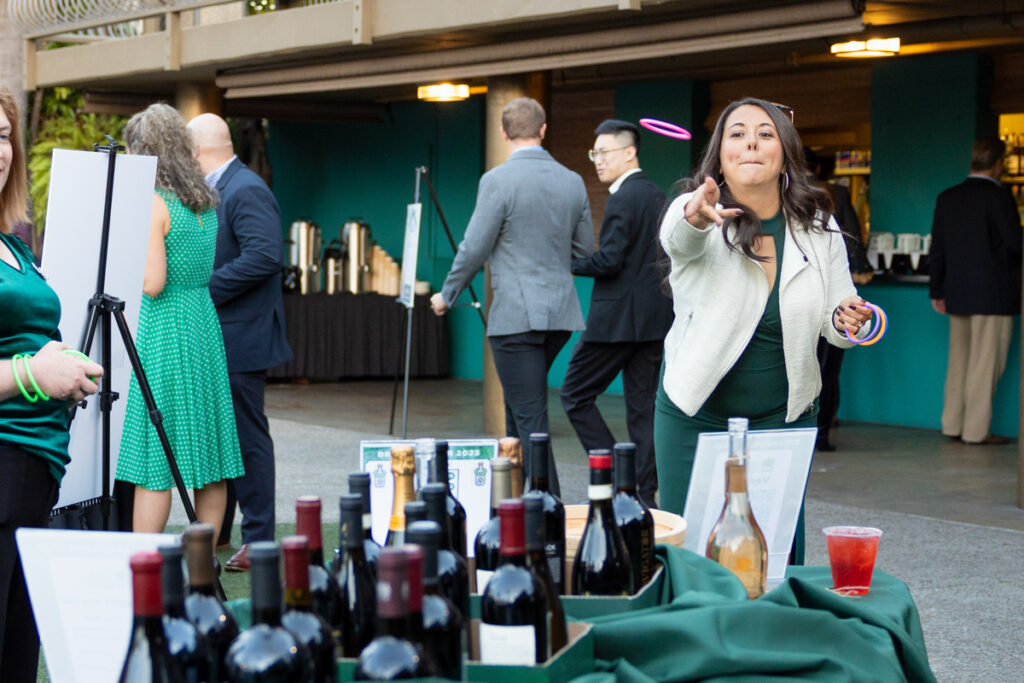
[{"x": 336, "y": 336}]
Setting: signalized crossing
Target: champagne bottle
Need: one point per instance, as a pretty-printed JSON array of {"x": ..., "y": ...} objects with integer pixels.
[
  {"x": 322, "y": 586},
  {"x": 358, "y": 591},
  {"x": 632, "y": 516},
  {"x": 554, "y": 511},
  {"x": 415, "y": 511},
  {"x": 487, "y": 546},
  {"x": 202, "y": 607},
  {"x": 184, "y": 643},
  {"x": 514, "y": 606},
  {"x": 736, "y": 541},
  {"x": 266, "y": 652},
  {"x": 443, "y": 631},
  {"x": 510, "y": 447},
  {"x": 452, "y": 571},
  {"x": 359, "y": 482},
  {"x": 148, "y": 659},
  {"x": 537, "y": 562},
  {"x": 403, "y": 467},
  {"x": 300, "y": 617},
  {"x": 602, "y": 565},
  {"x": 391, "y": 654},
  {"x": 455, "y": 513}
]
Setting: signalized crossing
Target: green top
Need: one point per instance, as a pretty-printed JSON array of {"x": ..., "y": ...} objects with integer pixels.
[
  {"x": 31, "y": 313},
  {"x": 756, "y": 386}
]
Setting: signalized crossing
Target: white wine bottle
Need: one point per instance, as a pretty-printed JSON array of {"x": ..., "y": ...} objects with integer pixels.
[{"x": 736, "y": 541}]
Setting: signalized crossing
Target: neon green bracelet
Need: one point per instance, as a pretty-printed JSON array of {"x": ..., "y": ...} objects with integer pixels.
[
  {"x": 78, "y": 354},
  {"x": 17, "y": 378},
  {"x": 28, "y": 371}
]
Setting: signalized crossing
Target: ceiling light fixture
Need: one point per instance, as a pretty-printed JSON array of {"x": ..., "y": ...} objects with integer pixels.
[
  {"x": 873, "y": 47},
  {"x": 443, "y": 92}
]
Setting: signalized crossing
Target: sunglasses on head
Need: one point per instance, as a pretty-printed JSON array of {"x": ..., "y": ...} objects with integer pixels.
[{"x": 785, "y": 110}]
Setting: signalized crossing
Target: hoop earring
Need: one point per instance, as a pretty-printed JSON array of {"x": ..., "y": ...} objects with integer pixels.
[{"x": 785, "y": 181}]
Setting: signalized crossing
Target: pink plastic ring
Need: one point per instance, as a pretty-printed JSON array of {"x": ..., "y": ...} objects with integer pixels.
[
  {"x": 665, "y": 128},
  {"x": 881, "y": 325}
]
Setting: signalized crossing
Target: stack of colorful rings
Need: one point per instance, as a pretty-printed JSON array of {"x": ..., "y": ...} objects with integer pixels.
[
  {"x": 665, "y": 128},
  {"x": 878, "y": 331}
]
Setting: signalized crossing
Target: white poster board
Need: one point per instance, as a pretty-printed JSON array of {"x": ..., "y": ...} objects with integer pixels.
[
  {"x": 74, "y": 229},
  {"x": 469, "y": 476},
  {"x": 410, "y": 252},
  {"x": 780, "y": 460},
  {"x": 80, "y": 584}
]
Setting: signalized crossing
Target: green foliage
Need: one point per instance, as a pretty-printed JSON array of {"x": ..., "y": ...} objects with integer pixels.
[{"x": 63, "y": 124}]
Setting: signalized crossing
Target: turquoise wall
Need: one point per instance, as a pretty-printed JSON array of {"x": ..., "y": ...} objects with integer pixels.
[
  {"x": 330, "y": 172},
  {"x": 925, "y": 114}
]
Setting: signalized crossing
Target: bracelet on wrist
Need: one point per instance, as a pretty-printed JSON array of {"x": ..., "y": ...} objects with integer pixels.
[{"x": 24, "y": 358}]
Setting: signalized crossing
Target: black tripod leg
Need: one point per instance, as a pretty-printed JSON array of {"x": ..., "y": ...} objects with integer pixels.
[{"x": 157, "y": 419}]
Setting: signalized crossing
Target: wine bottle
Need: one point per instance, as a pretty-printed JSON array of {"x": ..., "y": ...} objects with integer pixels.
[
  {"x": 359, "y": 482},
  {"x": 452, "y": 571},
  {"x": 415, "y": 511},
  {"x": 391, "y": 655},
  {"x": 602, "y": 565},
  {"x": 633, "y": 517},
  {"x": 487, "y": 545},
  {"x": 514, "y": 606},
  {"x": 202, "y": 606},
  {"x": 322, "y": 586},
  {"x": 456, "y": 514},
  {"x": 148, "y": 659},
  {"x": 358, "y": 591},
  {"x": 403, "y": 467},
  {"x": 510, "y": 447},
  {"x": 554, "y": 511},
  {"x": 266, "y": 652},
  {"x": 736, "y": 541},
  {"x": 300, "y": 617},
  {"x": 414, "y": 601},
  {"x": 443, "y": 629},
  {"x": 537, "y": 562},
  {"x": 184, "y": 643}
]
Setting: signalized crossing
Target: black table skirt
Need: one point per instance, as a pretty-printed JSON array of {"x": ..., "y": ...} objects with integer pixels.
[{"x": 336, "y": 336}]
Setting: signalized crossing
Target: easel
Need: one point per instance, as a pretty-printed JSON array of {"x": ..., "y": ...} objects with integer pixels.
[
  {"x": 409, "y": 303},
  {"x": 103, "y": 307}
]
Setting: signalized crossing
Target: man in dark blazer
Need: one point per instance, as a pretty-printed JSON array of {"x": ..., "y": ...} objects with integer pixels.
[
  {"x": 629, "y": 313},
  {"x": 246, "y": 289},
  {"x": 532, "y": 216},
  {"x": 975, "y": 274}
]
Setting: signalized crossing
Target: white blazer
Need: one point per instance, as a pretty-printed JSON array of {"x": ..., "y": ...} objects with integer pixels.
[{"x": 719, "y": 296}]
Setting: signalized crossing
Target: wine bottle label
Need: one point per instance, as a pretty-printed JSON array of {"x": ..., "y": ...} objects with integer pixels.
[
  {"x": 508, "y": 644},
  {"x": 599, "y": 492},
  {"x": 555, "y": 567},
  {"x": 482, "y": 577}
]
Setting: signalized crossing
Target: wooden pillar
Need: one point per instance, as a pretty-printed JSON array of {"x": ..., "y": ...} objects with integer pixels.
[
  {"x": 193, "y": 99},
  {"x": 500, "y": 91}
]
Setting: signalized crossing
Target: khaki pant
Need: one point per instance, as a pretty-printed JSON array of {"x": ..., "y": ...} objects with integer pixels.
[{"x": 978, "y": 345}]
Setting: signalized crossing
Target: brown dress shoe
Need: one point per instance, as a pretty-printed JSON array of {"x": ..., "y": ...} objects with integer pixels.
[{"x": 239, "y": 562}]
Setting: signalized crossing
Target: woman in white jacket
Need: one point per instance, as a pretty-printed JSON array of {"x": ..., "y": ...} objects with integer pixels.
[{"x": 743, "y": 343}]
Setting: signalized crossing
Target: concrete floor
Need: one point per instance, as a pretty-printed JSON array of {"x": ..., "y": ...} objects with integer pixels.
[{"x": 952, "y": 530}]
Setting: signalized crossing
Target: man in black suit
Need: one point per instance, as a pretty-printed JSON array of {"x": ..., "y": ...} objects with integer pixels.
[
  {"x": 975, "y": 267},
  {"x": 629, "y": 314},
  {"x": 246, "y": 289}
]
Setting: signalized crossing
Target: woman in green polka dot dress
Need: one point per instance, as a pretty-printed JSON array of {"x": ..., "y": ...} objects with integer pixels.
[{"x": 179, "y": 338}]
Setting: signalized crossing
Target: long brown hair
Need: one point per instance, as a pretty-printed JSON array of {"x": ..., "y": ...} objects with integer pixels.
[
  {"x": 160, "y": 131},
  {"x": 801, "y": 201},
  {"x": 14, "y": 195}
]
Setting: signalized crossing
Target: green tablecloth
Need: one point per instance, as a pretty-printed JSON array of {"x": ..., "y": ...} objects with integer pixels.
[{"x": 706, "y": 629}]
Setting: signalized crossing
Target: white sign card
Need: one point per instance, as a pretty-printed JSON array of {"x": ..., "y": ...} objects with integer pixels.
[
  {"x": 80, "y": 584},
  {"x": 780, "y": 460},
  {"x": 74, "y": 229},
  {"x": 410, "y": 252},
  {"x": 469, "y": 476}
]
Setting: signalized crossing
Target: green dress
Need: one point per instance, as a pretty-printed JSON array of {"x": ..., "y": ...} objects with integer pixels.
[{"x": 182, "y": 352}]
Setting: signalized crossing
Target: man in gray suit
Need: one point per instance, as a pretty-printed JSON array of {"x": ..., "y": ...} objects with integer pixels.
[{"x": 532, "y": 217}]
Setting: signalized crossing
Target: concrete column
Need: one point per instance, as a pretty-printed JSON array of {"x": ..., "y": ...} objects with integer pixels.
[
  {"x": 12, "y": 47},
  {"x": 193, "y": 99},
  {"x": 500, "y": 91}
]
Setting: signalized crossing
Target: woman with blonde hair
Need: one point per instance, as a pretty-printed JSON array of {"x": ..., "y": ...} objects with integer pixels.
[
  {"x": 179, "y": 338},
  {"x": 38, "y": 382}
]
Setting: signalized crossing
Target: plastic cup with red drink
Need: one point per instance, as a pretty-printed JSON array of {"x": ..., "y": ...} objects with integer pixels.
[{"x": 851, "y": 553}]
